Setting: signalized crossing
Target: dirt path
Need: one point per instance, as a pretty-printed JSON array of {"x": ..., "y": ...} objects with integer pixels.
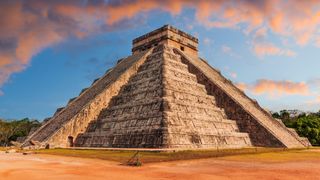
[{"x": 46, "y": 167}]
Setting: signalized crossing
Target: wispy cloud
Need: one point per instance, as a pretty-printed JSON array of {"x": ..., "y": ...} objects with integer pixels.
[
  {"x": 228, "y": 50},
  {"x": 315, "y": 101},
  {"x": 207, "y": 41},
  {"x": 267, "y": 49},
  {"x": 233, "y": 75},
  {"x": 276, "y": 88}
]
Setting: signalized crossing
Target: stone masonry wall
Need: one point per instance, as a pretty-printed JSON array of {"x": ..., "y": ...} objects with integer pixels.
[
  {"x": 262, "y": 128},
  {"x": 259, "y": 136},
  {"x": 193, "y": 118},
  {"x": 163, "y": 106},
  {"x": 74, "y": 119},
  {"x": 134, "y": 117}
]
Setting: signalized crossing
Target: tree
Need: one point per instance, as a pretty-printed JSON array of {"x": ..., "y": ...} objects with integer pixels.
[
  {"x": 284, "y": 114},
  {"x": 10, "y": 131},
  {"x": 276, "y": 115},
  {"x": 308, "y": 126}
]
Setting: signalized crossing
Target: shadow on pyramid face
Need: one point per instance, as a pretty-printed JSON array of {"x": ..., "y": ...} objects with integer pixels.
[
  {"x": 132, "y": 116},
  {"x": 164, "y": 96}
]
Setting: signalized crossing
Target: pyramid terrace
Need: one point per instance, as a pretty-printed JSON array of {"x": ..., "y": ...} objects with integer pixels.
[{"x": 163, "y": 96}]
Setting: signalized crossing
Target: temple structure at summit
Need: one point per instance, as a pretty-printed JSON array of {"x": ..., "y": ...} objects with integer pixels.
[{"x": 163, "y": 96}]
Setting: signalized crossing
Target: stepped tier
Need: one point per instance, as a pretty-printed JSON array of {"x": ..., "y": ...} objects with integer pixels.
[
  {"x": 251, "y": 118},
  {"x": 75, "y": 117},
  {"x": 163, "y": 106},
  {"x": 163, "y": 96}
]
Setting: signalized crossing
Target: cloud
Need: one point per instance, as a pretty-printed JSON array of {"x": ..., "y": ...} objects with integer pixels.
[
  {"x": 28, "y": 27},
  {"x": 267, "y": 49},
  {"x": 233, "y": 75},
  {"x": 226, "y": 49},
  {"x": 295, "y": 19},
  {"x": 276, "y": 88},
  {"x": 207, "y": 41},
  {"x": 314, "y": 82},
  {"x": 315, "y": 101},
  {"x": 261, "y": 47}
]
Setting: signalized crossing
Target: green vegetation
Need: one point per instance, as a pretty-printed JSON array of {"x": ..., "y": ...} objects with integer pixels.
[
  {"x": 147, "y": 156},
  {"x": 305, "y": 125},
  {"x": 283, "y": 156},
  {"x": 12, "y": 130}
]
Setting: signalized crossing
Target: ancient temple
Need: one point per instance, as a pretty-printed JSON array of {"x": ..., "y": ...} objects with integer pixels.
[{"x": 164, "y": 96}]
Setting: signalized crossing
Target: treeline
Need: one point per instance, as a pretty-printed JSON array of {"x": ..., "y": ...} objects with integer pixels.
[
  {"x": 13, "y": 130},
  {"x": 306, "y": 125}
]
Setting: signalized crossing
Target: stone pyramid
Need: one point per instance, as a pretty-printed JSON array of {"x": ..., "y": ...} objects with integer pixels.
[{"x": 163, "y": 96}]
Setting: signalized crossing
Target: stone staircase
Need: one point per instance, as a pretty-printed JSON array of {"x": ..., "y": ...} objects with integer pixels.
[
  {"x": 193, "y": 118},
  {"x": 75, "y": 117},
  {"x": 162, "y": 105},
  {"x": 278, "y": 130}
]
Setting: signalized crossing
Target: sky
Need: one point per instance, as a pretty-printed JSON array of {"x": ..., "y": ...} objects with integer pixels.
[{"x": 50, "y": 50}]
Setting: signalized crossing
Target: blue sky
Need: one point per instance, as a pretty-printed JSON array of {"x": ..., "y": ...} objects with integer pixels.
[{"x": 47, "y": 56}]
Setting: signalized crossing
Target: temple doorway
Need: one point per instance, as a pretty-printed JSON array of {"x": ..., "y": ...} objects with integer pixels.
[{"x": 70, "y": 141}]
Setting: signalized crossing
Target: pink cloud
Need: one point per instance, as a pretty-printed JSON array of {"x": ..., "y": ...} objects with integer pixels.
[
  {"x": 226, "y": 49},
  {"x": 265, "y": 49},
  {"x": 276, "y": 88},
  {"x": 314, "y": 101},
  {"x": 233, "y": 75},
  {"x": 28, "y": 28}
]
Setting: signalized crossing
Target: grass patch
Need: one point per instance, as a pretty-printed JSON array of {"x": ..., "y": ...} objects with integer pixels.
[
  {"x": 289, "y": 155},
  {"x": 148, "y": 157},
  {"x": 3, "y": 148}
]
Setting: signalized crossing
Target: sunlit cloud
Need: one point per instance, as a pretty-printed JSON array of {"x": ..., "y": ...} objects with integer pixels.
[
  {"x": 267, "y": 49},
  {"x": 228, "y": 50},
  {"x": 28, "y": 27},
  {"x": 276, "y": 88}
]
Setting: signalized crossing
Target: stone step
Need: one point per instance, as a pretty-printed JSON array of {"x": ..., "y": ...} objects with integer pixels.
[
  {"x": 141, "y": 90},
  {"x": 248, "y": 105},
  {"x": 151, "y": 117},
  {"x": 175, "y": 64},
  {"x": 199, "y": 125},
  {"x": 150, "y": 65},
  {"x": 182, "y": 84},
  {"x": 168, "y": 62},
  {"x": 221, "y": 140},
  {"x": 115, "y": 128},
  {"x": 149, "y": 73},
  {"x": 164, "y": 54},
  {"x": 176, "y": 73},
  {"x": 134, "y": 107},
  {"x": 173, "y": 92},
  {"x": 180, "y": 98},
  {"x": 202, "y": 117},
  {"x": 191, "y": 108},
  {"x": 142, "y": 83},
  {"x": 142, "y": 95},
  {"x": 210, "y": 130}
]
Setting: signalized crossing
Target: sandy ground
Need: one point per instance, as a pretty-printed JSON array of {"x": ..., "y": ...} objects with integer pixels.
[{"x": 47, "y": 167}]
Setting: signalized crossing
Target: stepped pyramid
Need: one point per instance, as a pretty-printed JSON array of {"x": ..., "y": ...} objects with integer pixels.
[{"x": 163, "y": 96}]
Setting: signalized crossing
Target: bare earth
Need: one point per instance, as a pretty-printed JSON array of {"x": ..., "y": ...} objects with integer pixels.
[{"x": 48, "y": 167}]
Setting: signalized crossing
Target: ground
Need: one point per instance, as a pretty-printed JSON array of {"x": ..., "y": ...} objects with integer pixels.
[{"x": 298, "y": 164}]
